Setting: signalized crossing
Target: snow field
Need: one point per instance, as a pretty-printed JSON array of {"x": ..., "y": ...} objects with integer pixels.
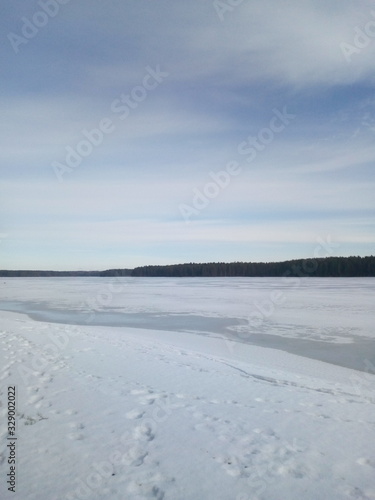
[{"x": 132, "y": 414}]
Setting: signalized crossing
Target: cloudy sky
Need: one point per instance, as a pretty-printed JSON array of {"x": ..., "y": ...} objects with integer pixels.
[{"x": 148, "y": 132}]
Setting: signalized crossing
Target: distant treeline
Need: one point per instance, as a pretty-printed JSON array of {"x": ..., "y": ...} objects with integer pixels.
[
  {"x": 320, "y": 267},
  {"x": 62, "y": 274},
  {"x": 329, "y": 267}
]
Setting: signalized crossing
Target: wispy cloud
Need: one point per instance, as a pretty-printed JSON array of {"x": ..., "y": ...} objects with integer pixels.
[{"x": 225, "y": 79}]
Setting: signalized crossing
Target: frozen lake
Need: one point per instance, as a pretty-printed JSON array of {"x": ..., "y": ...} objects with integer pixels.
[
  {"x": 189, "y": 388},
  {"x": 329, "y": 319}
]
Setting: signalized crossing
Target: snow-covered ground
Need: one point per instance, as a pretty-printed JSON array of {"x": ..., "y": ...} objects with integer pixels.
[{"x": 186, "y": 397}]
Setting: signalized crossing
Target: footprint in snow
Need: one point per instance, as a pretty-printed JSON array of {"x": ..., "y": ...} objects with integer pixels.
[
  {"x": 366, "y": 461},
  {"x": 265, "y": 432},
  {"x": 147, "y": 400},
  {"x": 231, "y": 465},
  {"x": 76, "y": 426},
  {"x": 147, "y": 486},
  {"x": 76, "y": 436},
  {"x": 70, "y": 411},
  {"x": 150, "y": 399},
  {"x": 135, "y": 456},
  {"x": 33, "y": 400},
  {"x": 134, "y": 414},
  {"x": 143, "y": 433},
  {"x": 139, "y": 392}
]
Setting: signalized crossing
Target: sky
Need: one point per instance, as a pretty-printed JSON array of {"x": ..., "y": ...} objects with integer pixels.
[{"x": 140, "y": 132}]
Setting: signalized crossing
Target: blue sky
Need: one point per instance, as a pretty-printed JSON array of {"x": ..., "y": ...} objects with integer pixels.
[{"x": 145, "y": 132}]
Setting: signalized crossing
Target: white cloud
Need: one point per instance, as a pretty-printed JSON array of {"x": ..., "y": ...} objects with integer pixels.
[
  {"x": 294, "y": 42},
  {"x": 224, "y": 80},
  {"x": 130, "y": 234}
]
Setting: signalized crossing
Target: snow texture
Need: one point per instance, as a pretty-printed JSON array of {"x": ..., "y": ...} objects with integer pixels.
[{"x": 135, "y": 412}]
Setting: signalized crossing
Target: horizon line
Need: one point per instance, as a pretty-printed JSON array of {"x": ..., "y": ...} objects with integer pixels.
[{"x": 182, "y": 264}]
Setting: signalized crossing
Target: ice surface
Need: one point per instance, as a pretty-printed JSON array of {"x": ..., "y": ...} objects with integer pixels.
[{"x": 329, "y": 319}]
